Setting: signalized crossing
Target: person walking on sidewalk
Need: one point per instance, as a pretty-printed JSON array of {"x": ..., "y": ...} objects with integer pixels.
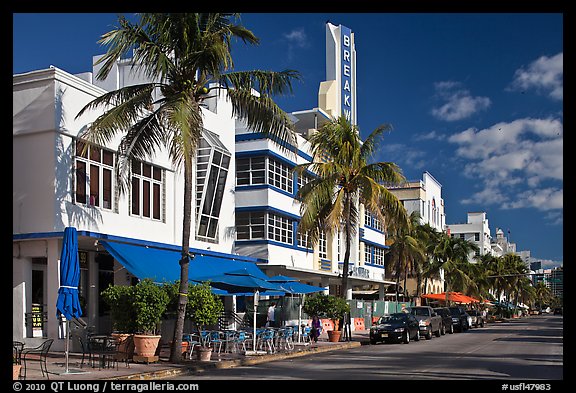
[{"x": 316, "y": 328}]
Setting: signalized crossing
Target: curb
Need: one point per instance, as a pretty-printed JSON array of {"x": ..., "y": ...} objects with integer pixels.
[{"x": 185, "y": 369}]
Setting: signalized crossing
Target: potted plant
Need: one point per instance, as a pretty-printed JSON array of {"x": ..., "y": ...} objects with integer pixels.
[
  {"x": 138, "y": 310},
  {"x": 203, "y": 309},
  {"x": 328, "y": 306}
]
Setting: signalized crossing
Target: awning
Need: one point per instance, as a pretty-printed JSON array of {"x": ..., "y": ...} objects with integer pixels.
[{"x": 162, "y": 265}]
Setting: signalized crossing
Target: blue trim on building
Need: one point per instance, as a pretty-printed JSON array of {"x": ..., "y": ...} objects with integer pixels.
[
  {"x": 264, "y": 186},
  {"x": 275, "y": 243},
  {"x": 259, "y": 135},
  {"x": 139, "y": 242},
  {"x": 265, "y": 152},
  {"x": 380, "y": 245},
  {"x": 373, "y": 265},
  {"x": 267, "y": 209}
]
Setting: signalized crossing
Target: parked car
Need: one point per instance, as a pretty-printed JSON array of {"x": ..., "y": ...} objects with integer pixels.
[
  {"x": 558, "y": 311},
  {"x": 444, "y": 313},
  {"x": 398, "y": 327},
  {"x": 478, "y": 319},
  {"x": 430, "y": 322},
  {"x": 459, "y": 319}
]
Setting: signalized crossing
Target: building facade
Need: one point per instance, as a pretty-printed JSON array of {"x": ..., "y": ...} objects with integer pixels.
[
  {"x": 476, "y": 230},
  {"x": 424, "y": 197},
  {"x": 244, "y": 195}
]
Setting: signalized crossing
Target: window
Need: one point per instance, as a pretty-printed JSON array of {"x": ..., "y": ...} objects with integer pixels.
[
  {"x": 93, "y": 181},
  {"x": 477, "y": 236},
  {"x": 462, "y": 236},
  {"x": 304, "y": 179},
  {"x": 260, "y": 225},
  {"x": 303, "y": 240},
  {"x": 264, "y": 170},
  {"x": 372, "y": 221},
  {"x": 279, "y": 175},
  {"x": 373, "y": 255},
  {"x": 250, "y": 226},
  {"x": 280, "y": 229},
  {"x": 146, "y": 195},
  {"x": 212, "y": 160},
  {"x": 322, "y": 246},
  {"x": 250, "y": 171}
]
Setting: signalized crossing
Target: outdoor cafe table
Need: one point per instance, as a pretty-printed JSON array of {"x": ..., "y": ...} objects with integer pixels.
[{"x": 104, "y": 347}]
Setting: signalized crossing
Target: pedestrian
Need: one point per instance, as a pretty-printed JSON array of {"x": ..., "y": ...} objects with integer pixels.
[
  {"x": 270, "y": 318},
  {"x": 316, "y": 328}
]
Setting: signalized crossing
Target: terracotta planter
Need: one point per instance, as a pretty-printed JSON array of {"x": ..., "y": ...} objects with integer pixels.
[
  {"x": 334, "y": 336},
  {"x": 204, "y": 354},
  {"x": 145, "y": 345},
  {"x": 16, "y": 371}
]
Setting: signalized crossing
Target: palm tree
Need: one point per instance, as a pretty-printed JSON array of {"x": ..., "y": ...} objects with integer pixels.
[
  {"x": 452, "y": 256},
  {"x": 188, "y": 58},
  {"x": 345, "y": 178},
  {"x": 407, "y": 250}
]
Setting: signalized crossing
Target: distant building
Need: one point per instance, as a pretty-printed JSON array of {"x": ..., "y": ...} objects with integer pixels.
[
  {"x": 475, "y": 230},
  {"x": 535, "y": 265},
  {"x": 425, "y": 197}
]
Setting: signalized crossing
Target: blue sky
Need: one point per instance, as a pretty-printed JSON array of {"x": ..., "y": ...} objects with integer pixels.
[{"x": 475, "y": 99}]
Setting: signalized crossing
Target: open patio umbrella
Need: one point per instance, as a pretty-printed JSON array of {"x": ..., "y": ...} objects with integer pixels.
[
  {"x": 68, "y": 303},
  {"x": 242, "y": 281},
  {"x": 452, "y": 296}
]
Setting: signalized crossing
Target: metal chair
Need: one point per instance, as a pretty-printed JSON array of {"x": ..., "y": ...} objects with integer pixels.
[
  {"x": 216, "y": 339},
  {"x": 266, "y": 339},
  {"x": 84, "y": 347},
  {"x": 239, "y": 340},
  {"x": 37, "y": 354},
  {"x": 193, "y": 340}
]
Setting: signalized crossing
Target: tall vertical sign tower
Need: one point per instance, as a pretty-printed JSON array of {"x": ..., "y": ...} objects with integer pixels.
[{"x": 337, "y": 95}]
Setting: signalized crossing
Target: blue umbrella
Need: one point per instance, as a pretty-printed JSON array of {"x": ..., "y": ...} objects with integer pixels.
[{"x": 68, "y": 303}]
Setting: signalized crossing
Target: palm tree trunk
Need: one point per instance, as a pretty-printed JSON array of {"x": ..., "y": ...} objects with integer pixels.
[
  {"x": 175, "y": 351},
  {"x": 348, "y": 241}
]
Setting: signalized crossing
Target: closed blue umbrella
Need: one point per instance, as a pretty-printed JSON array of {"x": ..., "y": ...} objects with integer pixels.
[{"x": 68, "y": 303}]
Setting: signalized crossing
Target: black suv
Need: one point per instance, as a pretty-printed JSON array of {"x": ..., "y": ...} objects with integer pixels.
[
  {"x": 447, "y": 326},
  {"x": 459, "y": 319}
]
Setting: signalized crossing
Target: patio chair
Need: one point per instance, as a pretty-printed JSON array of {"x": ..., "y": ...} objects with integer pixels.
[
  {"x": 124, "y": 351},
  {"x": 266, "y": 339},
  {"x": 37, "y": 354},
  {"x": 239, "y": 340},
  {"x": 216, "y": 339},
  {"x": 193, "y": 340},
  {"x": 84, "y": 347}
]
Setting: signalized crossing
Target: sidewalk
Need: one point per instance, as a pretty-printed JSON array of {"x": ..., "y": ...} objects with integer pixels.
[{"x": 56, "y": 363}]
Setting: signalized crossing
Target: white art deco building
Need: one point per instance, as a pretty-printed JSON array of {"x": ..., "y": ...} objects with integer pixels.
[{"x": 244, "y": 196}]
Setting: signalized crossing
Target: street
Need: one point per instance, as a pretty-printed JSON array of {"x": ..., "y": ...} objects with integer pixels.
[{"x": 525, "y": 349}]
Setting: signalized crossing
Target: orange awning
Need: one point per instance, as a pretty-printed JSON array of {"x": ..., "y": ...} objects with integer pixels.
[{"x": 456, "y": 297}]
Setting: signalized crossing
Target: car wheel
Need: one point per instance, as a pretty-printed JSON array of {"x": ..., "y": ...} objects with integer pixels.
[
  {"x": 406, "y": 337},
  {"x": 482, "y": 324},
  {"x": 428, "y": 334},
  {"x": 373, "y": 342},
  {"x": 443, "y": 329},
  {"x": 437, "y": 333},
  {"x": 417, "y": 336},
  {"x": 451, "y": 329}
]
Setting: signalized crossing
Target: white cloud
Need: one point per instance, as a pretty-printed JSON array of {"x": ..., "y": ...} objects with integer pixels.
[
  {"x": 545, "y": 75},
  {"x": 297, "y": 37},
  {"x": 459, "y": 103},
  {"x": 432, "y": 135},
  {"x": 519, "y": 164}
]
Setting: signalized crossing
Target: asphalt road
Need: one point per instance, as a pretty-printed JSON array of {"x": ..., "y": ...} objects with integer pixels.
[{"x": 528, "y": 350}]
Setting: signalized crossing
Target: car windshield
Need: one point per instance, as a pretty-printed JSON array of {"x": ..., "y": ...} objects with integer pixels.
[
  {"x": 455, "y": 311},
  {"x": 393, "y": 318},
  {"x": 419, "y": 311}
]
